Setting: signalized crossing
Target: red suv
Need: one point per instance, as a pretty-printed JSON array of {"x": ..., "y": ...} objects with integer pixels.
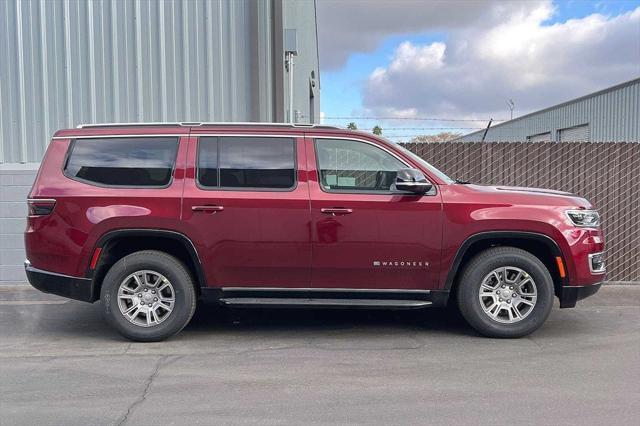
[{"x": 148, "y": 218}]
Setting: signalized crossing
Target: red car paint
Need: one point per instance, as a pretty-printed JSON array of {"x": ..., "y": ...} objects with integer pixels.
[{"x": 283, "y": 238}]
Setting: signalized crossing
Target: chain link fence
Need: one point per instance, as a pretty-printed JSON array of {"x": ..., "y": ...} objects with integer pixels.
[{"x": 605, "y": 173}]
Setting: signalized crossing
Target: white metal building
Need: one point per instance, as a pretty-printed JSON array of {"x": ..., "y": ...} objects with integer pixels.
[
  {"x": 609, "y": 115},
  {"x": 71, "y": 62}
]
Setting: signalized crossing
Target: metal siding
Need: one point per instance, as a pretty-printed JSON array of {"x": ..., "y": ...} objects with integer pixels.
[
  {"x": 70, "y": 62},
  {"x": 612, "y": 116}
]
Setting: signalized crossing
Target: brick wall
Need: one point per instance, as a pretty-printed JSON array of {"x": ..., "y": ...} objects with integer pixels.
[{"x": 15, "y": 183}]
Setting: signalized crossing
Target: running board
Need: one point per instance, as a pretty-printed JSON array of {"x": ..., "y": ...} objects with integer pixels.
[{"x": 249, "y": 302}]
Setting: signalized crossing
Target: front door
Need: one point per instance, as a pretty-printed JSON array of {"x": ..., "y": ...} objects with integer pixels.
[
  {"x": 247, "y": 205},
  {"x": 366, "y": 235}
]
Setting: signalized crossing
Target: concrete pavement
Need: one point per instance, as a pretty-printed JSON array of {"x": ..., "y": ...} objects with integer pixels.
[{"x": 61, "y": 365}]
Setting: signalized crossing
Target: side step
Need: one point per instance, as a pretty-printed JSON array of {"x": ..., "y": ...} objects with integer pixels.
[{"x": 282, "y": 302}]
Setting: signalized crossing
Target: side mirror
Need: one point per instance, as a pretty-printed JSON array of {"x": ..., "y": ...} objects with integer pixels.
[{"x": 412, "y": 180}]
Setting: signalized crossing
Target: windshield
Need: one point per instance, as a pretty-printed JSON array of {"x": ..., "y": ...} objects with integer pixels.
[{"x": 426, "y": 165}]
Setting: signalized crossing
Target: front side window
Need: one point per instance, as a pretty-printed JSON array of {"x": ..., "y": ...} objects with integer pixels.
[
  {"x": 348, "y": 165},
  {"x": 246, "y": 162},
  {"x": 126, "y": 162}
]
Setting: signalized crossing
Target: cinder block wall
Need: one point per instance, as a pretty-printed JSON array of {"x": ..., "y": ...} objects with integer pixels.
[{"x": 15, "y": 183}]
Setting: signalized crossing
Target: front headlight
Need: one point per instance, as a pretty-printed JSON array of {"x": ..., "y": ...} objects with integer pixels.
[{"x": 589, "y": 218}]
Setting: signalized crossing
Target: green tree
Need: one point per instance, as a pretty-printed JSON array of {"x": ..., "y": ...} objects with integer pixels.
[
  {"x": 440, "y": 137},
  {"x": 377, "y": 130},
  {"x": 352, "y": 126}
]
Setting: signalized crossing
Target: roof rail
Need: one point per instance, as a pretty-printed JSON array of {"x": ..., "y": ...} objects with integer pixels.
[{"x": 198, "y": 123}]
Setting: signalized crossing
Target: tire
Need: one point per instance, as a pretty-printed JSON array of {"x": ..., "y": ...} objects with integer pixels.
[
  {"x": 480, "y": 289},
  {"x": 163, "y": 276}
]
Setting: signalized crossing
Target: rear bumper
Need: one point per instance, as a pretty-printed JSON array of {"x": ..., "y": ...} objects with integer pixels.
[
  {"x": 61, "y": 285},
  {"x": 569, "y": 295}
]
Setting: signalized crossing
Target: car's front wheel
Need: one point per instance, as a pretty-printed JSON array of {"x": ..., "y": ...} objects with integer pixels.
[
  {"x": 148, "y": 296},
  {"x": 505, "y": 292}
]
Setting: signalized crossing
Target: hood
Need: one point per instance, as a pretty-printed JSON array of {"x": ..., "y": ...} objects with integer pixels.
[{"x": 524, "y": 195}]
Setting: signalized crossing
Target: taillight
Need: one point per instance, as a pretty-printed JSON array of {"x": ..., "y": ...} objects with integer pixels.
[{"x": 40, "y": 206}]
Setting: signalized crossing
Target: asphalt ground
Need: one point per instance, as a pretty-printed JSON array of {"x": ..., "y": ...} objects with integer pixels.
[{"x": 61, "y": 365}]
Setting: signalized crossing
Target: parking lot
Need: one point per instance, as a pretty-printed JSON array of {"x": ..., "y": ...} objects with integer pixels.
[{"x": 61, "y": 365}]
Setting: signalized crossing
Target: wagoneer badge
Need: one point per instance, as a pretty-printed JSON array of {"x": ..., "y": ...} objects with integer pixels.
[{"x": 401, "y": 263}]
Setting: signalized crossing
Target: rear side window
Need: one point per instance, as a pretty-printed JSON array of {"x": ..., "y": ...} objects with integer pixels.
[
  {"x": 127, "y": 162},
  {"x": 246, "y": 162}
]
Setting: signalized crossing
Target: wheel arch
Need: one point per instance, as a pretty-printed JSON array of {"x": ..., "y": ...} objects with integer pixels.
[
  {"x": 540, "y": 245},
  {"x": 118, "y": 243}
]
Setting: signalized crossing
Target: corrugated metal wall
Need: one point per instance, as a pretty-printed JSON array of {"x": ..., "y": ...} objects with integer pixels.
[
  {"x": 612, "y": 116},
  {"x": 70, "y": 62}
]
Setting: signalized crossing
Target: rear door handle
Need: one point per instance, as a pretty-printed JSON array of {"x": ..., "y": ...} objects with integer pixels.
[
  {"x": 207, "y": 209},
  {"x": 336, "y": 211}
]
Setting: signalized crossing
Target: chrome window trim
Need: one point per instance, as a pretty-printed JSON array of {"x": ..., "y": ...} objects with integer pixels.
[
  {"x": 147, "y": 135},
  {"x": 45, "y": 200},
  {"x": 71, "y": 146},
  {"x": 144, "y": 135},
  {"x": 205, "y": 123},
  {"x": 251, "y": 135},
  {"x": 246, "y": 188}
]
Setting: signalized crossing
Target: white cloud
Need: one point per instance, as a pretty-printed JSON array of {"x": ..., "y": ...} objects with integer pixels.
[
  {"x": 519, "y": 57},
  {"x": 348, "y": 26},
  {"x": 421, "y": 58}
]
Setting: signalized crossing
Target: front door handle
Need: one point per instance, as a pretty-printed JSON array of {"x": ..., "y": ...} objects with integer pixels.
[
  {"x": 336, "y": 211},
  {"x": 207, "y": 209}
]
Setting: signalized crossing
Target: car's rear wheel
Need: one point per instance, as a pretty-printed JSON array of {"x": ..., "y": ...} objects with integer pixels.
[
  {"x": 148, "y": 296},
  {"x": 505, "y": 292}
]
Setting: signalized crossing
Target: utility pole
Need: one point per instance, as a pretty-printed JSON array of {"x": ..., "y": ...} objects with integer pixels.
[{"x": 290, "y": 50}]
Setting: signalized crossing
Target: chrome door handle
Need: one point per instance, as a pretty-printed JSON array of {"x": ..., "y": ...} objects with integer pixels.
[
  {"x": 336, "y": 211},
  {"x": 207, "y": 209}
]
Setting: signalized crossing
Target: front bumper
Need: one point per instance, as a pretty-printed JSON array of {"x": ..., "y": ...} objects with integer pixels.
[
  {"x": 61, "y": 285},
  {"x": 569, "y": 295}
]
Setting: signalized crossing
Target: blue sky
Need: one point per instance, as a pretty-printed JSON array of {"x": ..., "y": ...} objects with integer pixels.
[{"x": 348, "y": 89}]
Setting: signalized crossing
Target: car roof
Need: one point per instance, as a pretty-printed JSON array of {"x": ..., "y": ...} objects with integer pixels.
[{"x": 195, "y": 128}]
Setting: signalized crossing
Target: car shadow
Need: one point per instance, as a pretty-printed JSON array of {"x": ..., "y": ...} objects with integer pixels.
[{"x": 211, "y": 317}]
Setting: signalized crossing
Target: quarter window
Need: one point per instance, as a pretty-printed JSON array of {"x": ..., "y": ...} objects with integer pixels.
[
  {"x": 127, "y": 162},
  {"x": 246, "y": 162},
  {"x": 347, "y": 165}
]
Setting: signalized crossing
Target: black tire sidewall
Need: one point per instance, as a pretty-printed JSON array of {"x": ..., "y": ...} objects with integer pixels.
[
  {"x": 478, "y": 269},
  {"x": 164, "y": 264}
]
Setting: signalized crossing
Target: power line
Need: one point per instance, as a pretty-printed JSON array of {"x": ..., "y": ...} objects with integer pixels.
[
  {"x": 406, "y": 118},
  {"x": 404, "y": 136},
  {"x": 431, "y": 128}
]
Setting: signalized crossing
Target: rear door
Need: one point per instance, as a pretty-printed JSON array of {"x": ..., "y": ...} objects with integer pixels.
[{"x": 246, "y": 202}]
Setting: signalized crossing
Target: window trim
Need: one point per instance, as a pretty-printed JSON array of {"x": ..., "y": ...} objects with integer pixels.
[
  {"x": 72, "y": 144},
  {"x": 431, "y": 192},
  {"x": 243, "y": 188}
]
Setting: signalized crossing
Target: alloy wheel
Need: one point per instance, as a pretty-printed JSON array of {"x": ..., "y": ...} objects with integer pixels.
[
  {"x": 508, "y": 294},
  {"x": 146, "y": 298}
]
